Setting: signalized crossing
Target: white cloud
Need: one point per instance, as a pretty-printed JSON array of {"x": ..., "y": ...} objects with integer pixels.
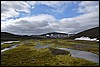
[
  {"x": 11, "y": 8},
  {"x": 81, "y": 22},
  {"x": 58, "y": 6},
  {"x": 36, "y": 24},
  {"x": 89, "y": 3},
  {"x": 54, "y": 4},
  {"x": 88, "y": 6},
  {"x": 31, "y": 2},
  {"x": 45, "y": 23}
]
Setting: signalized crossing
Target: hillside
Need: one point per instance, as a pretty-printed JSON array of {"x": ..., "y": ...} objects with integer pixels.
[
  {"x": 9, "y": 36},
  {"x": 92, "y": 33},
  {"x": 55, "y": 35}
]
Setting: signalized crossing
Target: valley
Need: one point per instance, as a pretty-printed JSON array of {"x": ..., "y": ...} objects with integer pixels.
[{"x": 32, "y": 53}]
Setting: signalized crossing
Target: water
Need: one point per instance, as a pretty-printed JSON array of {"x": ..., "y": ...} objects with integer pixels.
[
  {"x": 9, "y": 42},
  {"x": 74, "y": 53},
  {"x": 83, "y": 54},
  {"x": 77, "y": 53},
  {"x": 10, "y": 48}
]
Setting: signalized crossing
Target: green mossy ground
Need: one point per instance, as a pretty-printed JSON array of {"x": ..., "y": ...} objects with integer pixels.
[
  {"x": 7, "y": 45},
  {"x": 27, "y": 55}
]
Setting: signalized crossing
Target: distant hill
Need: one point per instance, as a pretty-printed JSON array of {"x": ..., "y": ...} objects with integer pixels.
[
  {"x": 9, "y": 36},
  {"x": 56, "y": 35},
  {"x": 53, "y": 33},
  {"x": 92, "y": 33}
]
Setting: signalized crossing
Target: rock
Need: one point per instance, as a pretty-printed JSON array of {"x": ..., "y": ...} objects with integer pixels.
[{"x": 33, "y": 59}]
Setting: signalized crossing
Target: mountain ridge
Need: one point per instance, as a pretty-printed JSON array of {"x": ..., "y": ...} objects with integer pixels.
[{"x": 92, "y": 33}]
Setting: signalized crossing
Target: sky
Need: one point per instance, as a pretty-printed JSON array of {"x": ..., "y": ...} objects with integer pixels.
[{"x": 39, "y": 17}]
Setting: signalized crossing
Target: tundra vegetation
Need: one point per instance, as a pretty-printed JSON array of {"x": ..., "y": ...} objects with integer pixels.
[{"x": 27, "y": 55}]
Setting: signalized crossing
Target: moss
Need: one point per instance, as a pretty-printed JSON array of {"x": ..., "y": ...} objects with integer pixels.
[
  {"x": 27, "y": 55},
  {"x": 56, "y": 51}
]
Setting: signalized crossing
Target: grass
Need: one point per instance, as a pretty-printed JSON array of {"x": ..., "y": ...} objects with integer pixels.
[
  {"x": 78, "y": 45},
  {"x": 56, "y": 51},
  {"x": 27, "y": 55},
  {"x": 8, "y": 45}
]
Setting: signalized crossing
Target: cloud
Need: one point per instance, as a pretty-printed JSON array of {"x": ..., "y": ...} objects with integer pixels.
[
  {"x": 57, "y": 6},
  {"x": 38, "y": 24},
  {"x": 12, "y": 8},
  {"x": 54, "y": 4},
  {"x": 81, "y": 22},
  {"x": 44, "y": 23},
  {"x": 88, "y": 6}
]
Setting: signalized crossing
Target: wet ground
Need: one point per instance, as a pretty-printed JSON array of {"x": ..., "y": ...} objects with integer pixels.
[
  {"x": 74, "y": 53},
  {"x": 83, "y": 54}
]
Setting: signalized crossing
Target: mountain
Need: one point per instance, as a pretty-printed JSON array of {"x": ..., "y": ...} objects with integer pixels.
[
  {"x": 56, "y": 35},
  {"x": 9, "y": 36},
  {"x": 92, "y": 33}
]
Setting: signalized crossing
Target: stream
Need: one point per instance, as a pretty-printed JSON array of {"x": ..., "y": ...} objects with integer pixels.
[
  {"x": 9, "y": 48},
  {"x": 83, "y": 54},
  {"x": 76, "y": 53},
  {"x": 8, "y": 42}
]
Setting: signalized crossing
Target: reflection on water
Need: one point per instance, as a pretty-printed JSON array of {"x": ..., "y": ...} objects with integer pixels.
[
  {"x": 83, "y": 54},
  {"x": 10, "y": 48},
  {"x": 9, "y": 42},
  {"x": 74, "y": 53}
]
